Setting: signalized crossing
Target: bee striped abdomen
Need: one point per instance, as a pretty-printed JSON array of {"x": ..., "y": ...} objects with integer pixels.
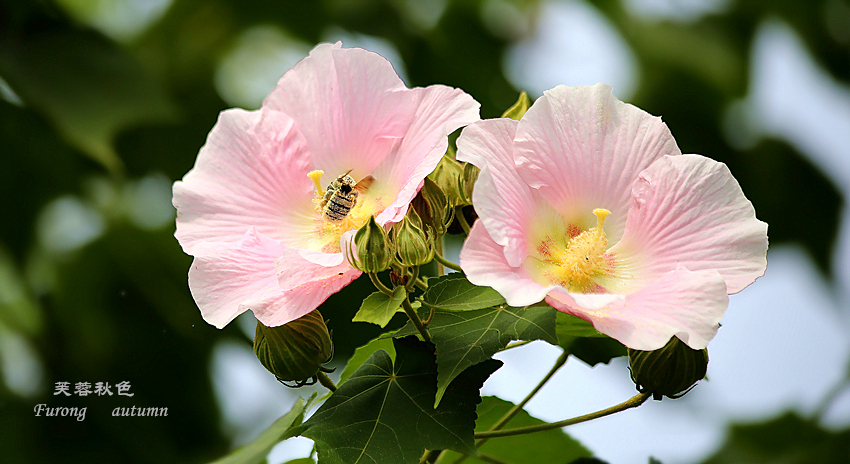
[
  {"x": 339, "y": 199},
  {"x": 339, "y": 205}
]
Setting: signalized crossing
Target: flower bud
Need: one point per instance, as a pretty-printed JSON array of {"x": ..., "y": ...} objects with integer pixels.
[
  {"x": 373, "y": 248},
  {"x": 517, "y": 111},
  {"x": 467, "y": 182},
  {"x": 670, "y": 371},
  {"x": 433, "y": 207},
  {"x": 447, "y": 176},
  {"x": 413, "y": 246},
  {"x": 294, "y": 351}
]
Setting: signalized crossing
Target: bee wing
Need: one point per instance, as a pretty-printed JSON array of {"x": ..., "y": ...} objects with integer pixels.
[{"x": 364, "y": 184}]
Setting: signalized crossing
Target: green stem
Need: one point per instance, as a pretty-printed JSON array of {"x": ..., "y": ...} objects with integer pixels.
[
  {"x": 632, "y": 402},
  {"x": 421, "y": 284},
  {"x": 438, "y": 251},
  {"x": 518, "y": 407},
  {"x": 462, "y": 219},
  {"x": 379, "y": 285},
  {"x": 415, "y": 319},
  {"x": 429, "y": 456},
  {"x": 446, "y": 262},
  {"x": 414, "y": 274},
  {"x": 516, "y": 344},
  {"x": 326, "y": 381}
]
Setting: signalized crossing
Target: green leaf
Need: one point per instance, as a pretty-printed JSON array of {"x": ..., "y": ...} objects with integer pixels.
[
  {"x": 301, "y": 461},
  {"x": 379, "y": 308},
  {"x": 549, "y": 447},
  {"x": 454, "y": 293},
  {"x": 384, "y": 413},
  {"x": 580, "y": 339},
  {"x": 285, "y": 427},
  {"x": 517, "y": 111},
  {"x": 361, "y": 354},
  {"x": 469, "y": 337}
]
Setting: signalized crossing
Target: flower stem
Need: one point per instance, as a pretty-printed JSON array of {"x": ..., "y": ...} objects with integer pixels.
[
  {"x": 438, "y": 251},
  {"x": 415, "y": 319},
  {"x": 462, "y": 219},
  {"x": 518, "y": 407},
  {"x": 429, "y": 456},
  {"x": 414, "y": 274},
  {"x": 446, "y": 262},
  {"x": 421, "y": 284},
  {"x": 326, "y": 381},
  {"x": 632, "y": 402},
  {"x": 379, "y": 285}
]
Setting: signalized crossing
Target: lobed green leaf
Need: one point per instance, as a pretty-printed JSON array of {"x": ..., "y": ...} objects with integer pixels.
[
  {"x": 384, "y": 413},
  {"x": 468, "y": 337},
  {"x": 452, "y": 292}
]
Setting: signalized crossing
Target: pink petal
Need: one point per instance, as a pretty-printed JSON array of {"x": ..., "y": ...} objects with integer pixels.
[
  {"x": 582, "y": 148},
  {"x": 439, "y": 111},
  {"x": 251, "y": 172},
  {"x": 502, "y": 200},
  {"x": 349, "y": 104},
  {"x": 483, "y": 261},
  {"x": 228, "y": 278},
  {"x": 684, "y": 304},
  {"x": 689, "y": 211}
]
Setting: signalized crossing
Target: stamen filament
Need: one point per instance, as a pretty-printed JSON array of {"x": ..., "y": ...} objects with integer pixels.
[{"x": 316, "y": 176}]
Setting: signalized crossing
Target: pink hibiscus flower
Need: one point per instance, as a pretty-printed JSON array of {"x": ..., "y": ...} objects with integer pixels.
[
  {"x": 254, "y": 211},
  {"x": 588, "y": 203}
]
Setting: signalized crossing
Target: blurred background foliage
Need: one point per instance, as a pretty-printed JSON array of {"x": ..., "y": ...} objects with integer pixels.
[{"x": 106, "y": 102}]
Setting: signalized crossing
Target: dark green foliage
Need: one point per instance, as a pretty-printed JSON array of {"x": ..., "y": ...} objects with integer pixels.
[
  {"x": 452, "y": 292},
  {"x": 465, "y": 338},
  {"x": 384, "y": 412},
  {"x": 549, "y": 447}
]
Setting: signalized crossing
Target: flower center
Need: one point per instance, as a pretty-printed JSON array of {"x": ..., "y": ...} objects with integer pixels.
[
  {"x": 339, "y": 208},
  {"x": 577, "y": 264}
]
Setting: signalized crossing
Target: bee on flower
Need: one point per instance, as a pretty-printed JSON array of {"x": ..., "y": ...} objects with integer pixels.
[{"x": 267, "y": 234}]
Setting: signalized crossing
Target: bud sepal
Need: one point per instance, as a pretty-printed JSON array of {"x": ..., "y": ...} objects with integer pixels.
[{"x": 671, "y": 371}]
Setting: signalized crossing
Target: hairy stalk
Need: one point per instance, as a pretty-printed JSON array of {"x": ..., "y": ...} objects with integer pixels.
[
  {"x": 379, "y": 285},
  {"x": 326, "y": 381},
  {"x": 446, "y": 262},
  {"x": 414, "y": 274},
  {"x": 518, "y": 407},
  {"x": 415, "y": 319},
  {"x": 438, "y": 251},
  {"x": 462, "y": 219},
  {"x": 632, "y": 402}
]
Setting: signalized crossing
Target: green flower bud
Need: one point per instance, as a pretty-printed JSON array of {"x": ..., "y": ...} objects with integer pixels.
[
  {"x": 433, "y": 208},
  {"x": 294, "y": 351},
  {"x": 520, "y": 107},
  {"x": 670, "y": 371},
  {"x": 467, "y": 182},
  {"x": 447, "y": 176},
  {"x": 373, "y": 248},
  {"x": 413, "y": 246}
]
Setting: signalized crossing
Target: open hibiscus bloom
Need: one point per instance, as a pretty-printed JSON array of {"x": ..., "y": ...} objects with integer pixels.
[
  {"x": 588, "y": 203},
  {"x": 271, "y": 202}
]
